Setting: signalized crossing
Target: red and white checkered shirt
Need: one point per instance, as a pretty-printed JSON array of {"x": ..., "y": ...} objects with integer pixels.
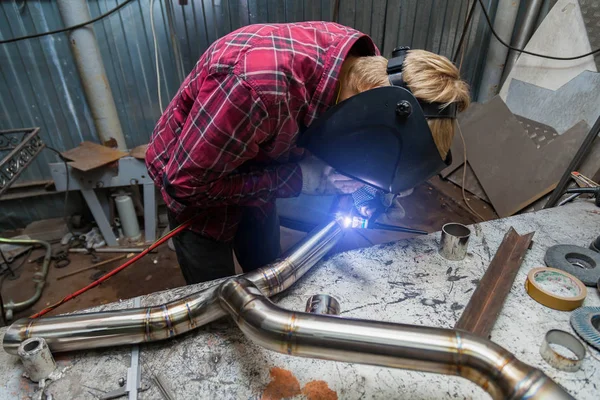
[{"x": 227, "y": 139}]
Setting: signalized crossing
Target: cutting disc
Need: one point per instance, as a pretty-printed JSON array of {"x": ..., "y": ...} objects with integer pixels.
[{"x": 586, "y": 322}]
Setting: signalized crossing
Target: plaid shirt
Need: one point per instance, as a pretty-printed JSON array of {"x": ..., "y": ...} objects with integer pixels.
[{"x": 227, "y": 139}]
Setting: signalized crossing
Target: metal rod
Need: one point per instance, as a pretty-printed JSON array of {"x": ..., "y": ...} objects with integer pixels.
[
  {"x": 578, "y": 158},
  {"x": 138, "y": 325},
  {"x": 395, "y": 228},
  {"x": 109, "y": 250},
  {"x": 421, "y": 348},
  {"x": 39, "y": 278},
  {"x": 101, "y": 263},
  {"x": 91, "y": 71}
]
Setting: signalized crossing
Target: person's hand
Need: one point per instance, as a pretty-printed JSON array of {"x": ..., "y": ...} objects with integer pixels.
[{"x": 319, "y": 178}]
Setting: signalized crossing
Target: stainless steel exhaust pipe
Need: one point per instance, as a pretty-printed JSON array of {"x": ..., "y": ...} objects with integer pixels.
[
  {"x": 125, "y": 327},
  {"x": 421, "y": 348}
]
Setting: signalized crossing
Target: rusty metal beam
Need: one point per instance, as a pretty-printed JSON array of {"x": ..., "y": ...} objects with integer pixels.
[{"x": 486, "y": 303}]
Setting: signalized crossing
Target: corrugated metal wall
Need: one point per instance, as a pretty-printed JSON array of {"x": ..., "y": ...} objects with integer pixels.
[{"x": 40, "y": 86}]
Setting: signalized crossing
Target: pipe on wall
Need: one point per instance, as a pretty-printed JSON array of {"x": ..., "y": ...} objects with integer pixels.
[
  {"x": 523, "y": 35},
  {"x": 504, "y": 25},
  {"x": 125, "y": 327},
  {"x": 421, "y": 348},
  {"x": 91, "y": 71}
]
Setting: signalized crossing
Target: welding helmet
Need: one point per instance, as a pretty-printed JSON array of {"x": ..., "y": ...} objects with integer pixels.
[{"x": 381, "y": 136}]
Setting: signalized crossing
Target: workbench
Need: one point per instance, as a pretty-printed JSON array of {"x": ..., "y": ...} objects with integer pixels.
[{"x": 405, "y": 281}]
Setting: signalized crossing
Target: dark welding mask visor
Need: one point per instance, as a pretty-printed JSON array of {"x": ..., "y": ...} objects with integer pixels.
[{"x": 379, "y": 137}]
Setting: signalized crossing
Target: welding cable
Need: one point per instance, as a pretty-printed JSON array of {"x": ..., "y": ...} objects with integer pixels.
[
  {"x": 463, "y": 35},
  {"x": 508, "y": 46},
  {"x": 115, "y": 271},
  {"x": 464, "y": 174},
  {"x": 70, "y": 28},
  {"x": 67, "y": 174}
]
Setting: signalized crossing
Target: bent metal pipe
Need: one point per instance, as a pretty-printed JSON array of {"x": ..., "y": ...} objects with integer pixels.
[
  {"x": 147, "y": 324},
  {"x": 319, "y": 336},
  {"x": 421, "y": 348}
]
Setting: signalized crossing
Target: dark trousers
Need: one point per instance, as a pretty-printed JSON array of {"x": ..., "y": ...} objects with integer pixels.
[{"x": 201, "y": 259}]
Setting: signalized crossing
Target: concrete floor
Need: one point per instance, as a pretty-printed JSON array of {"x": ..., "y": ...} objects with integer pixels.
[{"x": 428, "y": 208}]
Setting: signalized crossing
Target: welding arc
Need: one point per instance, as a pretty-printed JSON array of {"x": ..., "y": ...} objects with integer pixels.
[{"x": 115, "y": 271}]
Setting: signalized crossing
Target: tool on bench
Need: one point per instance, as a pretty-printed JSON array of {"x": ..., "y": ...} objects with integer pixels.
[
  {"x": 584, "y": 183},
  {"x": 101, "y": 263},
  {"x": 584, "y": 322},
  {"x": 580, "y": 262},
  {"x": 369, "y": 223},
  {"x": 133, "y": 384}
]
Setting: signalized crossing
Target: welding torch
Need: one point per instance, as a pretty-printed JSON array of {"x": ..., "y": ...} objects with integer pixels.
[{"x": 349, "y": 219}]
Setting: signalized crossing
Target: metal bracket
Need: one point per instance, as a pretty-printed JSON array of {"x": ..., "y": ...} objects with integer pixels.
[{"x": 21, "y": 146}]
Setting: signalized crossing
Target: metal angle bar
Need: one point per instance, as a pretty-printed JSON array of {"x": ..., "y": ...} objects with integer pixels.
[{"x": 486, "y": 303}]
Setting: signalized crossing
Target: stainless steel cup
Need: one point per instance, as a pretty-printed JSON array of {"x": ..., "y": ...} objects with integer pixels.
[
  {"x": 323, "y": 304},
  {"x": 454, "y": 242}
]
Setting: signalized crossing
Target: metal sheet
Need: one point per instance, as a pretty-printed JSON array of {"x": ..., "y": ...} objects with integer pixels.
[
  {"x": 562, "y": 32},
  {"x": 577, "y": 100}
]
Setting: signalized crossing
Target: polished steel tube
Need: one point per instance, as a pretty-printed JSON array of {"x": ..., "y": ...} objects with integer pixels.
[
  {"x": 421, "y": 348},
  {"x": 39, "y": 278},
  {"x": 123, "y": 327}
]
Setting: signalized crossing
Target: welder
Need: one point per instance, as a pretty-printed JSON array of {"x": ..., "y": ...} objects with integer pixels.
[{"x": 272, "y": 111}]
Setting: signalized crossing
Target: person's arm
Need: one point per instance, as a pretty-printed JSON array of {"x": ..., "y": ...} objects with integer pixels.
[{"x": 224, "y": 129}]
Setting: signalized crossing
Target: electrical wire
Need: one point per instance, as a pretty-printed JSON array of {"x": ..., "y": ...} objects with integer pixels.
[
  {"x": 65, "y": 216},
  {"x": 70, "y": 28},
  {"x": 120, "y": 268},
  {"x": 490, "y": 24},
  {"x": 160, "y": 103},
  {"x": 466, "y": 26},
  {"x": 464, "y": 174}
]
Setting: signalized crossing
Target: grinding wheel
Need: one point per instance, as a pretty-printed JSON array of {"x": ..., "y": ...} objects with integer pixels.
[
  {"x": 578, "y": 261},
  {"x": 586, "y": 322},
  {"x": 595, "y": 245}
]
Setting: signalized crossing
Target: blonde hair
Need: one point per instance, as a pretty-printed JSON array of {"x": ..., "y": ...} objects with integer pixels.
[{"x": 430, "y": 77}]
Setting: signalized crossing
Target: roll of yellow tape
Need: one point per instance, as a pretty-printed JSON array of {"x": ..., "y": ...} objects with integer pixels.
[{"x": 555, "y": 288}]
